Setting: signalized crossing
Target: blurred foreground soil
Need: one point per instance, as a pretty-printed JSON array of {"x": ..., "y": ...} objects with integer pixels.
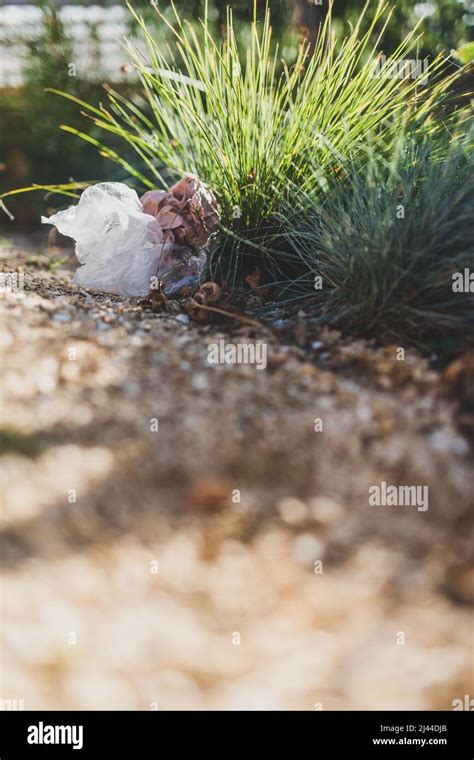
[{"x": 133, "y": 577}]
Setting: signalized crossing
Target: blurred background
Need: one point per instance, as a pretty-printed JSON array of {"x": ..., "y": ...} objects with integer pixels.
[{"x": 74, "y": 45}]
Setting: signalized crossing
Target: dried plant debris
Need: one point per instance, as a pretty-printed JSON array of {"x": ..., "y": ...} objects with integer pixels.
[
  {"x": 156, "y": 299},
  {"x": 188, "y": 213},
  {"x": 215, "y": 304},
  {"x": 260, "y": 292}
]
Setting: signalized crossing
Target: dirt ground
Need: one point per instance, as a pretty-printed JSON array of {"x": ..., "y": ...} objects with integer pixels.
[{"x": 177, "y": 535}]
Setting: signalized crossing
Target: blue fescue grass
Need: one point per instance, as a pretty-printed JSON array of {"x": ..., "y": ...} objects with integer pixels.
[{"x": 387, "y": 238}]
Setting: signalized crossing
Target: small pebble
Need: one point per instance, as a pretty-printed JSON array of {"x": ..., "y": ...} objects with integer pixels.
[
  {"x": 440, "y": 441},
  {"x": 325, "y": 510},
  {"x": 292, "y": 511},
  {"x": 61, "y": 317},
  {"x": 307, "y": 549}
]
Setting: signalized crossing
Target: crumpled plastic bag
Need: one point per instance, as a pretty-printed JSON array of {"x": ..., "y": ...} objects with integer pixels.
[{"x": 123, "y": 249}]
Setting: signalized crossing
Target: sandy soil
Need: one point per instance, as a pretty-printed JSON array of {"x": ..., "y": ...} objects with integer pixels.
[{"x": 133, "y": 577}]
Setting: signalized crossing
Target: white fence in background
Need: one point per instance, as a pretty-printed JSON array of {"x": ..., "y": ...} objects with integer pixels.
[{"x": 99, "y": 60}]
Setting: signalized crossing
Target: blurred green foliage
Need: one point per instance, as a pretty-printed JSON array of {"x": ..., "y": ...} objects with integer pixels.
[
  {"x": 446, "y": 24},
  {"x": 32, "y": 147}
]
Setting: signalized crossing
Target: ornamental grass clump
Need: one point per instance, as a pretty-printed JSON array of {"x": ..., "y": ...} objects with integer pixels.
[{"x": 390, "y": 244}]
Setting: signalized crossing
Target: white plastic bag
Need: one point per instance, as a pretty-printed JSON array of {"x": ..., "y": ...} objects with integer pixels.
[{"x": 118, "y": 245}]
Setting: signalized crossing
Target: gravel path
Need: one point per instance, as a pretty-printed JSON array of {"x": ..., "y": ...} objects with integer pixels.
[{"x": 177, "y": 535}]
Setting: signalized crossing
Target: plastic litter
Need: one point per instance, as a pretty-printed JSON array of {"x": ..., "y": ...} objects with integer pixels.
[{"x": 123, "y": 249}]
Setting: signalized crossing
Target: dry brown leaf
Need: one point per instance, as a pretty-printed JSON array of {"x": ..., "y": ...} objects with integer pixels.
[
  {"x": 209, "y": 495},
  {"x": 253, "y": 279},
  {"x": 188, "y": 213},
  {"x": 211, "y": 291}
]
